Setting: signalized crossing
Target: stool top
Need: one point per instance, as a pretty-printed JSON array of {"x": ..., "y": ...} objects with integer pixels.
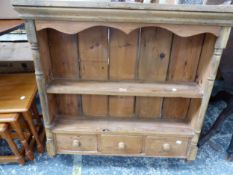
[
  {"x": 3, "y": 127},
  {"x": 17, "y": 91},
  {"x": 6, "y": 118}
]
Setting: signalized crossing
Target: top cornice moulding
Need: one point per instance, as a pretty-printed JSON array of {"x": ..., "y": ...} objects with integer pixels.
[
  {"x": 118, "y": 12},
  {"x": 120, "y": 5}
]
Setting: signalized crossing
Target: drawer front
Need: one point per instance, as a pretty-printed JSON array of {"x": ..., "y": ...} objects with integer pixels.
[
  {"x": 121, "y": 144},
  {"x": 67, "y": 142},
  {"x": 166, "y": 147}
]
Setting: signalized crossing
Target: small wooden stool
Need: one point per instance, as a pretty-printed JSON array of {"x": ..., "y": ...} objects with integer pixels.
[
  {"x": 13, "y": 120},
  {"x": 17, "y": 95},
  {"x": 5, "y": 134}
]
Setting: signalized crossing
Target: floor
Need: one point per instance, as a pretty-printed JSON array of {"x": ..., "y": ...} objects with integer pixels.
[{"x": 210, "y": 159}]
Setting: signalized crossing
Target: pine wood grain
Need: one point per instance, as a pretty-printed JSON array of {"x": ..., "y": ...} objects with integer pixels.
[
  {"x": 6, "y": 26},
  {"x": 45, "y": 54},
  {"x": 121, "y": 127},
  {"x": 155, "y": 49},
  {"x": 123, "y": 56},
  {"x": 205, "y": 59},
  {"x": 183, "y": 66},
  {"x": 186, "y": 90},
  {"x": 73, "y": 27},
  {"x": 130, "y": 144},
  {"x": 93, "y": 52},
  {"x": 62, "y": 47},
  {"x": 64, "y": 64},
  {"x": 18, "y": 99}
]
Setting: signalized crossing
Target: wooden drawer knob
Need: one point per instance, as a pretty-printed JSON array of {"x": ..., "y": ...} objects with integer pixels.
[
  {"x": 166, "y": 147},
  {"x": 121, "y": 145},
  {"x": 76, "y": 143}
]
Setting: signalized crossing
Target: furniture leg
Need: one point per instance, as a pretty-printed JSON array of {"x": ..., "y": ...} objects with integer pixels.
[
  {"x": 230, "y": 150},
  {"x": 16, "y": 126},
  {"x": 6, "y": 135},
  {"x": 216, "y": 126},
  {"x": 28, "y": 117},
  {"x": 34, "y": 110}
]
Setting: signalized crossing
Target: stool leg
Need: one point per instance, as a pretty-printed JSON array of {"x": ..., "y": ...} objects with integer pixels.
[
  {"x": 16, "y": 126},
  {"x": 36, "y": 114},
  {"x": 230, "y": 150},
  {"x": 6, "y": 135},
  {"x": 217, "y": 124},
  {"x": 28, "y": 117},
  {"x": 34, "y": 110}
]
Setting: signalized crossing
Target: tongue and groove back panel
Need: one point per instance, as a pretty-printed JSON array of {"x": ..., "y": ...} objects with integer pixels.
[
  {"x": 154, "y": 57},
  {"x": 93, "y": 57},
  {"x": 148, "y": 54},
  {"x": 122, "y": 67}
]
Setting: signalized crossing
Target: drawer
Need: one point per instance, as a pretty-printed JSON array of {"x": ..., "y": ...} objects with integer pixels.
[
  {"x": 166, "y": 147},
  {"x": 67, "y": 142},
  {"x": 120, "y": 144}
]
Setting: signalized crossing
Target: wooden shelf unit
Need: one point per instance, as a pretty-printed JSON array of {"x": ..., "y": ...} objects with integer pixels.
[{"x": 131, "y": 83}]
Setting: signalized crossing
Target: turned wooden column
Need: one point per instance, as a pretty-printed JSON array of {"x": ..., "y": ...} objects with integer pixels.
[
  {"x": 220, "y": 45},
  {"x": 32, "y": 37}
]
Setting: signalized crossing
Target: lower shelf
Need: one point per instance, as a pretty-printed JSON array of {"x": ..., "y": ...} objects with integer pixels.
[
  {"x": 122, "y": 138},
  {"x": 117, "y": 126}
]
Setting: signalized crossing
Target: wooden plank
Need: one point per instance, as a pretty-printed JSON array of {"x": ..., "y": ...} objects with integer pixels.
[
  {"x": 64, "y": 64},
  {"x": 93, "y": 52},
  {"x": 6, "y": 26},
  {"x": 121, "y": 106},
  {"x": 123, "y": 56},
  {"x": 160, "y": 15},
  {"x": 185, "y": 90},
  {"x": 193, "y": 111},
  {"x": 68, "y": 105},
  {"x": 64, "y": 55},
  {"x": 106, "y": 4},
  {"x": 202, "y": 75},
  {"x": 73, "y": 27},
  {"x": 11, "y": 51},
  {"x": 220, "y": 44},
  {"x": 205, "y": 59},
  {"x": 45, "y": 54},
  {"x": 154, "y": 58},
  {"x": 94, "y": 105},
  {"x": 17, "y": 91},
  {"x": 183, "y": 66},
  {"x": 126, "y": 126},
  {"x": 46, "y": 66}
]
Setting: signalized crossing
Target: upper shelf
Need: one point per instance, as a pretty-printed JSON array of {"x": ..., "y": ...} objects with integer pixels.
[
  {"x": 185, "y": 90},
  {"x": 220, "y": 15}
]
